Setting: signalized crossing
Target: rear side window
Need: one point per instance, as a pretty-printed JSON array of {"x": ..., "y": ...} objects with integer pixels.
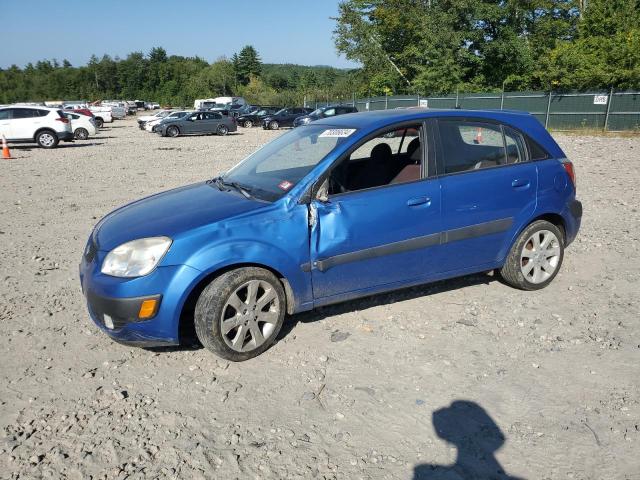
[
  {"x": 470, "y": 145},
  {"x": 4, "y": 114},
  {"x": 536, "y": 151},
  {"x": 41, "y": 113}
]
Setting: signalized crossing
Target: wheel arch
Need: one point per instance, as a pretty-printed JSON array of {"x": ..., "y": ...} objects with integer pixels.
[
  {"x": 43, "y": 129},
  {"x": 186, "y": 326},
  {"x": 554, "y": 218}
]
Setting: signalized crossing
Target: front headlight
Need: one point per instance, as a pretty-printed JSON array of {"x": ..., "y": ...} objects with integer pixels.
[{"x": 136, "y": 258}]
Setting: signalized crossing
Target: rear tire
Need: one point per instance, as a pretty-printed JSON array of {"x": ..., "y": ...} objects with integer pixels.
[
  {"x": 47, "y": 139},
  {"x": 173, "y": 131},
  {"x": 223, "y": 130},
  {"x": 99, "y": 122},
  {"x": 248, "y": 124},
  {"x": 236, "y": 324},
  {"x": 535, "y": 257},
  {"x": 81, "y": 133},
  {"x": 274, "y": 125}
]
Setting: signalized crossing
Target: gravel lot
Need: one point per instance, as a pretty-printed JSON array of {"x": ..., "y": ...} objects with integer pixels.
[{"x": 546, "y": 384}]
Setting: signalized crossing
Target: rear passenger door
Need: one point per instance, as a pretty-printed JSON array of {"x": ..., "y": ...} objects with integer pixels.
[{"x": 489, "y": 187}]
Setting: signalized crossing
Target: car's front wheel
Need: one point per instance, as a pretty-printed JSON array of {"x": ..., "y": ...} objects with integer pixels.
[
  {"x": 239, "y": 314},
  {"x": 248, "y": 124},
  {"x": 223, "y": 130},
  {"x": 173, "y": 131},
  {"x": 81, "y": 133},
  {"x": 274, "y": 125},
  {"x": 535, "y": 257},
  {"x": 47, "y": 139}
]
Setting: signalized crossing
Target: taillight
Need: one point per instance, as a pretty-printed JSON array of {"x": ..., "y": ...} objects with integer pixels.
[
  {"x": 63, "y": 120},
  {"x": 568, "y": 166}
]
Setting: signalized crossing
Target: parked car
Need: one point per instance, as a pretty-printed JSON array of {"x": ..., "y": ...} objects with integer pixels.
[
  {"x": 119, "y": 110},
  {"x": 329, "y": 212},
  {"x": 284, "y": 117},
  {"x": 42, "y": 125},
  {"x": 84, "y": 111},
  {"x": 248, "y": 120},
  {"x": 198, "y": 123},
  {"x": 149, "y": 118},
  {"x": 102, "y": 115},
  {"x": 152, "y": 125},
  {"x": 220, "y": 102},
  {"x": 83, "y": 126},
  {"x": 324, "y": 112}
]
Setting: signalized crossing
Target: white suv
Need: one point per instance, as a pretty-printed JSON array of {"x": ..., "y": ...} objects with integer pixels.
[{"x": 42, "y": 125}]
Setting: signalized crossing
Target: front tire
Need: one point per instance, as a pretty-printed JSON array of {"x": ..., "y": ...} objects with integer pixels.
[
  {"x": 248, "y": 124},
  {"x": 173, "y": 131},
  {"x": 239, "y": 314},
  {"x": 535, "y": 257},
  {"x": 223, "y": 130},
  {"x": 81, "y": 133},
  {"x": 274, "y": 125},
  {"x": 47, "y": 139}
]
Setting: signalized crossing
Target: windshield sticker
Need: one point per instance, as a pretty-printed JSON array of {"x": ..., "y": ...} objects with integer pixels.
[
  {"x": 337, "y": 133},
  {"x": 285, "y": 185}
]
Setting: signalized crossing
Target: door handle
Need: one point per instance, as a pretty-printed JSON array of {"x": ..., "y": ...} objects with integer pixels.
[
  {"x": 417, "y": 201},
  {"x": 521, "y": 183}
]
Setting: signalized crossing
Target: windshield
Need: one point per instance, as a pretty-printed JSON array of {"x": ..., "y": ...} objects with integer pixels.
[
  {"x": 316, "y": 112},
  {"x": 162, "y": 114},
  {"x": 259, "y": 112},
  {"x": 281, "y": 111},
  {"x": 277, "y": 167}
]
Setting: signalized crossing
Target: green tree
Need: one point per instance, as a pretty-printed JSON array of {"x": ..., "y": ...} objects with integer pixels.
[{"x": 246, "y": 64}]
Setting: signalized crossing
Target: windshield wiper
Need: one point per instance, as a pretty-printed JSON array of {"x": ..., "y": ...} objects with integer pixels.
[{"x": 226, "y": 186}]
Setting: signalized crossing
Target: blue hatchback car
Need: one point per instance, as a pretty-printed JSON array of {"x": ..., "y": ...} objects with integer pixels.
[{"x": 342, "y": 208}]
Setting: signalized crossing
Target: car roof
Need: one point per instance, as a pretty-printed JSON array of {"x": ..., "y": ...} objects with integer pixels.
[{"x": 381, "y": 118}]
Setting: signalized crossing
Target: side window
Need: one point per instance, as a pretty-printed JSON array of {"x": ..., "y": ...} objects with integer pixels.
[
  {"x": 330, "y": 112},
  {"x": 22, "y": 113},
  {"x": 41, "y": 113},
  {"x": 514, "y": 144},
  {"x": 380, "y": 161},
  {"x": 4, "y": 114},
  {"x": 536, "y": 151},
  {"x": 468, "y": 145}
]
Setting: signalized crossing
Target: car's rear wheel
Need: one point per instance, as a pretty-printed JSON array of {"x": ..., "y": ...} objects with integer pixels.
[
  {"x": 248, "y": 124},
  {"x": 239, "y": 314},
  {"x": 273, "y": 125},
  {"x": 47, "y": 139},
  {"x": 99, "y": 122},
  {"x": 223, "y": 129},
  {"x": 173, "y": 131},
  {"x": 81, "y": 133},
  {"x": 535, "y": 257}
]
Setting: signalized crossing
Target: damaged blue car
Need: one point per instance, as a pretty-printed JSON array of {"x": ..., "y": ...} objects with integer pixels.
[{"x": 345, "y": 207}]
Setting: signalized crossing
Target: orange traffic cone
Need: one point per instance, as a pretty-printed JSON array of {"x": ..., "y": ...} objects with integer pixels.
[
  {"x": 478, "y": 138},
  {"x": 6, "y": 154}
]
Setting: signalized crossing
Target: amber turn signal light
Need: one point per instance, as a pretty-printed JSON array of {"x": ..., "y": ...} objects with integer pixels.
[{"x": 148, "y": 308}]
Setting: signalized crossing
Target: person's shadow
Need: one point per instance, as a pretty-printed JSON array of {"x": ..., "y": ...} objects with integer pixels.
[{"x": 467, "y": 426}]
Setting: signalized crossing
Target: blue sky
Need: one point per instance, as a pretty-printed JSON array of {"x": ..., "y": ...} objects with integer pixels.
[{"x": 283, "y": 31}]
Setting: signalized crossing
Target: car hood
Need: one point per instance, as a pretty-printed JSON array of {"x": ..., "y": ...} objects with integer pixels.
[{"x": 170, "y": 213}]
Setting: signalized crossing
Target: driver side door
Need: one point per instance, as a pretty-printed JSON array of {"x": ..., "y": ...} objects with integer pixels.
[{"x": 375, "y": 232}]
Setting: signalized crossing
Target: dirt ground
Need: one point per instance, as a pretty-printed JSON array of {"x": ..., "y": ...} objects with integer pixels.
[{"x": 448, "y": 381}]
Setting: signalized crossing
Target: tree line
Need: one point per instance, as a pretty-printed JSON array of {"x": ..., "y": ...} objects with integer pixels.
[
  {"x": 403, "y": 46},
  {"x": 172, "y": 80},
  {"x": 440, "y": 46}
]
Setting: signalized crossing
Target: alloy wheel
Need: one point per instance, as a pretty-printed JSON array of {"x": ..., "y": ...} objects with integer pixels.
[
  {"x": 540, "y": 256},
  {"x": 250, "y": 316}
]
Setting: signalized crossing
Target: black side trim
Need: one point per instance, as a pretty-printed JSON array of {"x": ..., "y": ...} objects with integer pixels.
[
  {"x": 375, "y": 252},
  {"x": 472, "y": 231},
  {"x": 575, "y": 207},
  {"x": 479, "y": 230}
]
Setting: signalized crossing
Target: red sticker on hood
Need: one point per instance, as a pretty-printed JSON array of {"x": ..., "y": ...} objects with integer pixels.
[{"x": 285, "y": 185}]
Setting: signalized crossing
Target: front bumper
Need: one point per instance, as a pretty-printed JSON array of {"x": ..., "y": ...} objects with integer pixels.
[{"x": 120, "y": 299}]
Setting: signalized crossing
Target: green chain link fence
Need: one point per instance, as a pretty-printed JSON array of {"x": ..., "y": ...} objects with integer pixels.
[{"x": 607, "y": 111}]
